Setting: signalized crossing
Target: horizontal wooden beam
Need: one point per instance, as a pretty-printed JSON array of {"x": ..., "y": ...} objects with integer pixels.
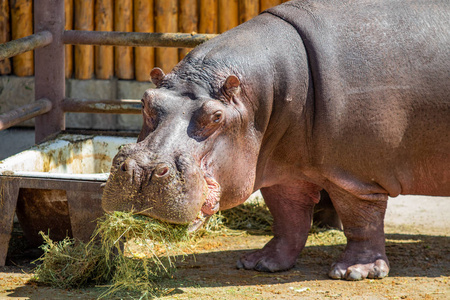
[{"x": 134, "y": 39}]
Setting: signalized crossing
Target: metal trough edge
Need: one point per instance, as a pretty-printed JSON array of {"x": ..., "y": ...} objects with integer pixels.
[{"x": 64, "y": 176}]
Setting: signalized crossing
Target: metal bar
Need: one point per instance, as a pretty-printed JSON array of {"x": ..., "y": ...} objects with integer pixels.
[
  {"x": 25, "y": 44},
  {"x": 24, "y": 113},
  {"x": 153, "y": 39},
  {"x": 49, "y": 67},
  {"x": 102, "y": 106}
]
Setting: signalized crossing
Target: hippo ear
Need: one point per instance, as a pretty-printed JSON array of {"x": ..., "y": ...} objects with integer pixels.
[
  {"x": 157, "y": 75},
  {"x": 231, "y": 85}
]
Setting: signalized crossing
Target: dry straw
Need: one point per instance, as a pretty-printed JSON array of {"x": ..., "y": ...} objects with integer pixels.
[
  {"x": 109, "y": 261},
  {"x": 129, "y": 253}
]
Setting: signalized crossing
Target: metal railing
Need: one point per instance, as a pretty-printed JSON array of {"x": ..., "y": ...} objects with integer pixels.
[
  {"x": 48, "y": 43},
  {"x": 135, "y": 39},
  {"x": 25, "y": 44}
]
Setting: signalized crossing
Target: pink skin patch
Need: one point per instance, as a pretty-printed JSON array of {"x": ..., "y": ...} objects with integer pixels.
[{"x": 211, "y": 205}]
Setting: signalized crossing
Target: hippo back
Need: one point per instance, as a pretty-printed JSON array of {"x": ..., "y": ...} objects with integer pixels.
[{"x": 381, "y": 78}]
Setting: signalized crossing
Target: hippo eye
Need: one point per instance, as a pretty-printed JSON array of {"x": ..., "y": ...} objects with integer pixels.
[
  {"x": 207, "y": 119},
  {"x": 217, "y": 116}
]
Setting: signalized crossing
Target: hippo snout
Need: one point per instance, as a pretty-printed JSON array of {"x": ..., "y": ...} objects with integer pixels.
[{"x": 173, "y": 189}]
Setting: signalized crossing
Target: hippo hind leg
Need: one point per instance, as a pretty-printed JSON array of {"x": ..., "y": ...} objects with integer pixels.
[
  {"x": 292, "y": 209},
  {"x": 363, "y": 222}
]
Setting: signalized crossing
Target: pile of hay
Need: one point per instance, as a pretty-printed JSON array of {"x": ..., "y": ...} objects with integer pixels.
[
  {"x": 107, "y": 260},
  {"x": 133, "y": 253}
]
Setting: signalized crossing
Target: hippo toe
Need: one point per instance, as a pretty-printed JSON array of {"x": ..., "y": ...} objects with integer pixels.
[{"x": 348, "y": 271}]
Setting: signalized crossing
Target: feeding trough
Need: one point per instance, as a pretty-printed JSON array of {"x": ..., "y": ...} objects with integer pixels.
[{"x": 55, "y": 187}]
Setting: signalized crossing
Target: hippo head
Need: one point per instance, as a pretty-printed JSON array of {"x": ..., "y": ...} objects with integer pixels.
[{"x": 196, "y": 153}]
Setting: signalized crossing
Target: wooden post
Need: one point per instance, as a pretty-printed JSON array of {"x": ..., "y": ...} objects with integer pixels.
[
  {"x": 68, "y": 48},
  {"x": 123, "y": 56},
  {"x": 166, "y": 15},
  {"x": 49, "y": 79},
  {"x": 5, "y": 65},
  {"x": 143, "y": 22},
  {"x": 84, "y": 54},
  {"x": 188, "y": 21},
  {"x": 21, "y": 26},
  {"x": 104, "y": 55},
  {"x": 208, "y": 16},
  {"x": 248, "y": 9},
  {"x": 228, "y": 14},
  {"x": 265, "y": 4}
]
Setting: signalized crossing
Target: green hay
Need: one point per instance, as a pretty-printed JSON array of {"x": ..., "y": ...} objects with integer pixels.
[
  {"x": 109, "y": 260},
  {"x": 141, "y": 268},
  {"x": 129, "y": 253},
  {"x": 69, "y": 264}
]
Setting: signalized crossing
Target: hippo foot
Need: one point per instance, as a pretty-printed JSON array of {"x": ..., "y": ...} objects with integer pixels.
[
  {"x": 274, "y": 257},
  {"x": 351, "y": 270}
]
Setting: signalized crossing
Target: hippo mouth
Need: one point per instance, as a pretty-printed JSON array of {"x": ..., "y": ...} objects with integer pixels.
[
  {"x": 210, "y": 207},
  {"x": 173, "y": 194}
]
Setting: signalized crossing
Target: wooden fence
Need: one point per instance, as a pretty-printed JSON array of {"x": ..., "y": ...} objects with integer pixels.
[{"x": 106, "y": 62}]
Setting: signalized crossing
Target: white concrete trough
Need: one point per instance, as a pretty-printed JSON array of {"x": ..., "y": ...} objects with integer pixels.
[{"x": 55, "y": 187}]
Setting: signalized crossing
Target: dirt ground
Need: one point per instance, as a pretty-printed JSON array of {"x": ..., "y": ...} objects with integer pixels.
[{"x": 417, "y": 235}]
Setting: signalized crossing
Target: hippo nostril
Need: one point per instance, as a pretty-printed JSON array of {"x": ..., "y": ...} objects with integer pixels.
[
  {"x": 124, "y": 166},
  {"x": 128, "y": 165},
  {"x": 161, "y": 170}
]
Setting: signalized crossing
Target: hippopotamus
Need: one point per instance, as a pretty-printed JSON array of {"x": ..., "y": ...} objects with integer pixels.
[{"x": 351, "y": 97}]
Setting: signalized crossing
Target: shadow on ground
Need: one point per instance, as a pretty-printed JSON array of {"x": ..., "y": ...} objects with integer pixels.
[{"x": 410, "y": 256}]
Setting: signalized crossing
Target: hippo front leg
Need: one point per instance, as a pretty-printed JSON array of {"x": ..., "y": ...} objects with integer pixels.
[
  {"x": 292, "y": 209},
  {"x": 363, "y": 221}
]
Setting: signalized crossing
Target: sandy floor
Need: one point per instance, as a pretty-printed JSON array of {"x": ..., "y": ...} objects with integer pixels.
[
  {"x": 430, "y": 215},
  {"x": 418, "y": 239}
]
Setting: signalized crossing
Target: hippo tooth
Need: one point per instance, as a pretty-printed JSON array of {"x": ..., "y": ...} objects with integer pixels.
[{"x": 198, "y": 222}]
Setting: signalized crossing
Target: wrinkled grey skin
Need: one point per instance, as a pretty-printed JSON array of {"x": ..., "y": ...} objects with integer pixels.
[{"x": 311, "y": 95}]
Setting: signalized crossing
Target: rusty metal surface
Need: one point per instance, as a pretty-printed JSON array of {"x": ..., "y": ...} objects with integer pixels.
[
  {"x": 9, "y": 191},
  {"x": 61, "y": 206},
  {"x": 24, "y": 113},
  {"x": 25, "y": 44},
  {"x": 116, "y": 38},
  {"x": 122, "y": 106},
  {"x": 85, "y": 207},
  {"x": 49, "y": 68},
  {"x": 43, "y": 210}
]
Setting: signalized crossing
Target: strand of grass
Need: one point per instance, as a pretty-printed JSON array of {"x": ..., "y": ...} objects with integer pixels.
[{"x": 115, "y": 242}]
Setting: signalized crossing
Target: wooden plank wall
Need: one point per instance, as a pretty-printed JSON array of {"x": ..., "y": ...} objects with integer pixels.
[
  {"x": 22, "y": 26},
  {"x": 106, "y": 62},
  {"x": 5, "y": 32}
]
